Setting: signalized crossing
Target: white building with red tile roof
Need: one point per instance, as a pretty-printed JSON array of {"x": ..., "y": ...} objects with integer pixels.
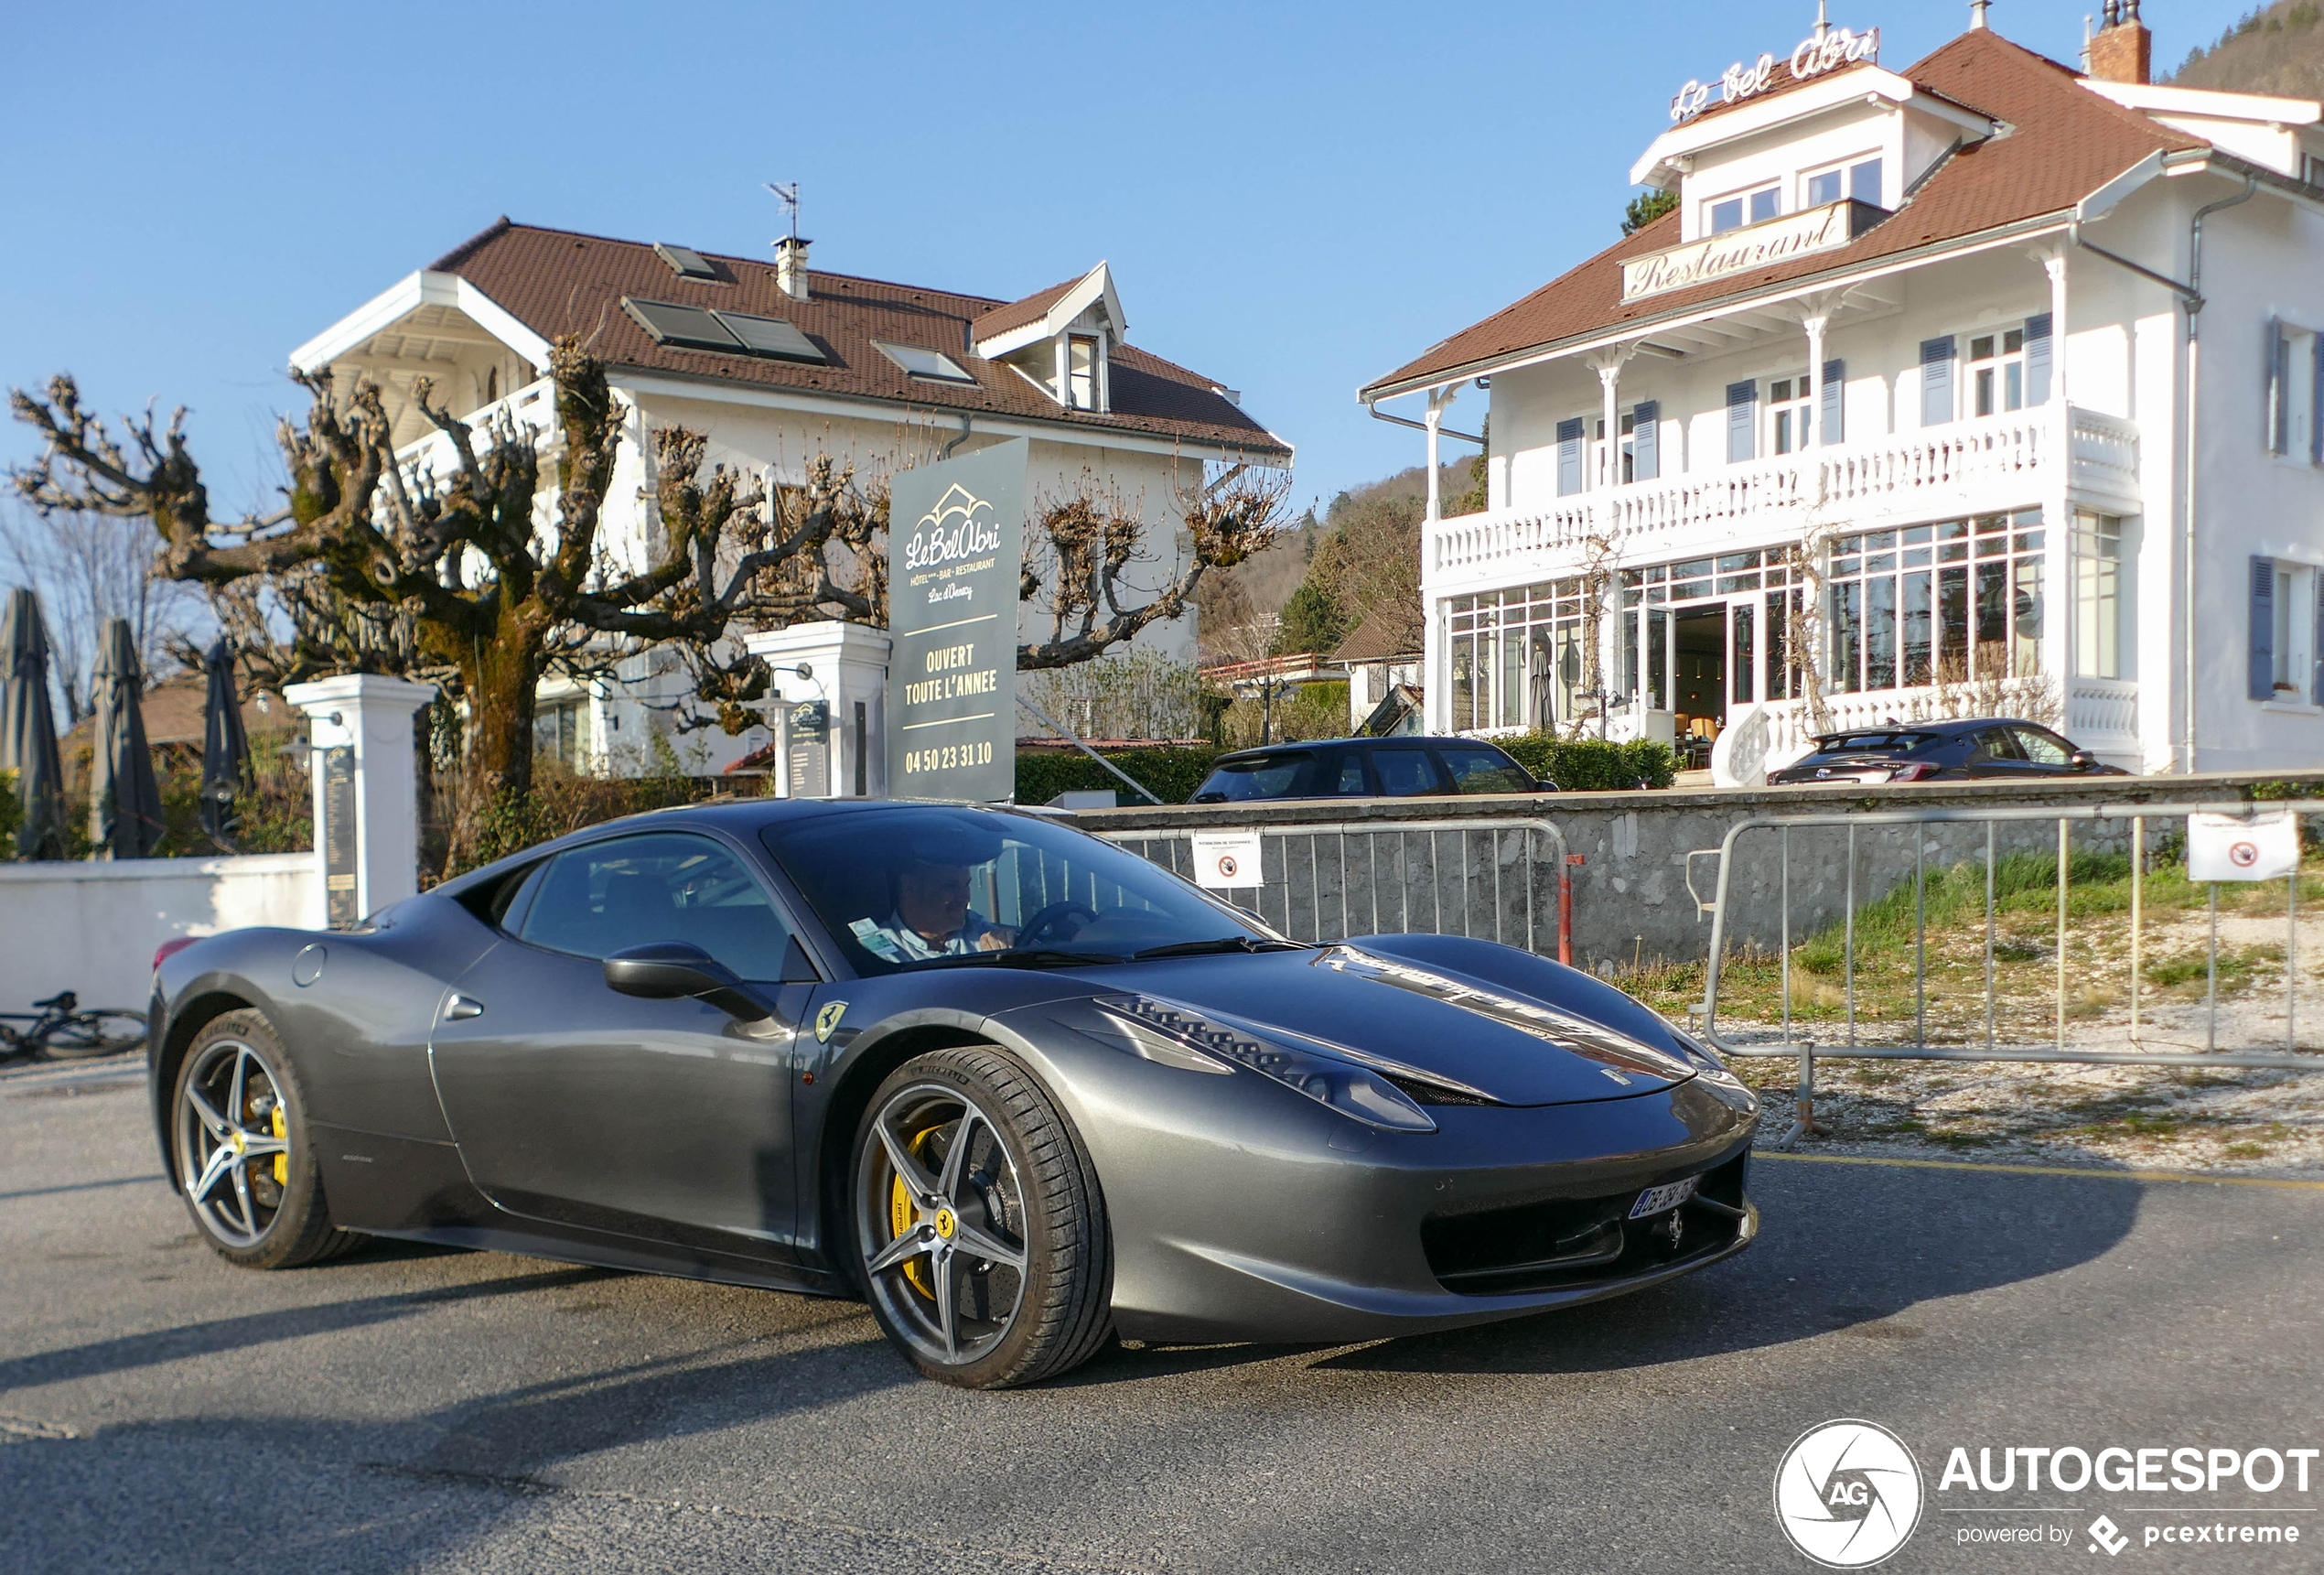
[
  {"x": 777, "y": 365},
  {"x": 1979, "y": 385}
]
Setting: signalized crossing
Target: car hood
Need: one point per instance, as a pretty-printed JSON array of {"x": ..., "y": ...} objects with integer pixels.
[{"x": 1374, "y": 1000}]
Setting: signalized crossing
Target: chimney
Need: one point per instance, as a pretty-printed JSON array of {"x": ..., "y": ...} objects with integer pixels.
[
  {"x": 1977, "y": 15},
  {"x": 2122, "y": 50},
  {"x": 791, "y": 266}
]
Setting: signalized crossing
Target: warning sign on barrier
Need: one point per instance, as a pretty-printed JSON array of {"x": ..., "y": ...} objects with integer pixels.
[
  {"x": 2266, "y": 847},
  {"x": 1225, "y": 860}
]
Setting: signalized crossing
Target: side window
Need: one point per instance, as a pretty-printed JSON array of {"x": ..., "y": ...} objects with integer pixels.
[
  {"x": 1352, "y": 783},
  {"x": 2042, "y": 747},
  {"x": 1994, "y": 744},
  {"x": 1483, "y": 770},
  {"x": 1404, "y": 773},
  {"x": 607, "y": 896},
  {"x": 1270, "y": 776}
]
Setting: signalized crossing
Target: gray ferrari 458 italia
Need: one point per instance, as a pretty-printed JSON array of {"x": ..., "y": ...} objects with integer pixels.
[{"x": 1017, "y": 1089}]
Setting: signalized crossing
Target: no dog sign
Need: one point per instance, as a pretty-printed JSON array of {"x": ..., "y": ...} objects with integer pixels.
[{"x": 1225, "y": 860}]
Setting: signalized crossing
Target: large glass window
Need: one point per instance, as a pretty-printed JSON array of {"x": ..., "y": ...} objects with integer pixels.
[
  {"x": 1517, "y": 656},
  {"x": 1732, "y": 577},
  {"x": 1744, "y": 207},
  {"x": 1944, "y": 603},
  {"x": 2101, "y": 646}
]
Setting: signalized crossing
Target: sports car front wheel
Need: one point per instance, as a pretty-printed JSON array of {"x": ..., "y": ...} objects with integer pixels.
[
  {"x": 244, "y": 1164},
  {"x": 978, "y": 1222}
]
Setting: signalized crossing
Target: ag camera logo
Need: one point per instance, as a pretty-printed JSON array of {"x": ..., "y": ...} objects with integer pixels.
[{"x": 1848, "y": 1493}]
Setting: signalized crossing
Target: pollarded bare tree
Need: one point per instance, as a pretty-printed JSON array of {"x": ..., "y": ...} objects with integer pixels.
[{"x": 457, "y": 575}]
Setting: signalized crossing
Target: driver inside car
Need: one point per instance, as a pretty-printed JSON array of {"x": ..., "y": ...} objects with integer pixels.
[{"x": 931, "y": 916}]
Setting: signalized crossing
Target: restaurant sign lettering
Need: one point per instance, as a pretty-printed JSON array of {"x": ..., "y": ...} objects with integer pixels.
[
  {"x": 1825, "y": 51},
  {"x": 1764, "y": 245}
]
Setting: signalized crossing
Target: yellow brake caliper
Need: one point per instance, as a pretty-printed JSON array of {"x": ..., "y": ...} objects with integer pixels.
[
  {"x": 902, "y": 1212},
  {"x": 282, "y": 1160}
]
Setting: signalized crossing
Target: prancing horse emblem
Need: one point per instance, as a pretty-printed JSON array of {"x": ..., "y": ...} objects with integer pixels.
[{"x": 827, "y": 1020}]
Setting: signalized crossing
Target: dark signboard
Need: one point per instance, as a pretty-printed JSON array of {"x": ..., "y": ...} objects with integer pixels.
[
  {"x": 953, "y": 543},
  {"x": 807, "y": 749},
  {"x": 338, "y": 838}
]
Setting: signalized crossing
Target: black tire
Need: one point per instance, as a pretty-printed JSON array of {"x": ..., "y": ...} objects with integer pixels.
[
  {"x": 103, "y": 1030},
  {"x": 1025, "y": 1185},
  {"x": 253, "y": 1214}
]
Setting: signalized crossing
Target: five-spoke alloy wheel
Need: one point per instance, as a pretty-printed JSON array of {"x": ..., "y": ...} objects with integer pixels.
[
  {"x": 978, "y": 1222},
  {"x": 243, "y": 1162}
]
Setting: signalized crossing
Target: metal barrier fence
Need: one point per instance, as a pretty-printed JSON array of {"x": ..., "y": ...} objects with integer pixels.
[
  {"x": 2123, "y": 825},
  {"x": 1499, "y": 880}
]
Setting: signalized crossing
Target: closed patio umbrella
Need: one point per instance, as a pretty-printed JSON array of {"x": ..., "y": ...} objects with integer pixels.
[
  {"x": 225, "y": 749},
  {"x": 28, "y": 730},
  {"x": 124, "y": 798}
]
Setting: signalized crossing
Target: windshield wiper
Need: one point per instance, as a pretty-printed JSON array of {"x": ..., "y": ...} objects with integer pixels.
[
  {"x": 1222, "y": 943},
  {"x": 1039, "y": 957}
]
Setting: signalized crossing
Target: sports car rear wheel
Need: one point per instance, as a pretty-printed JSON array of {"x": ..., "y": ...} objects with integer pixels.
[
  {"x": 244, "y": 1163},
  {"x": 979, "y": 1223}
]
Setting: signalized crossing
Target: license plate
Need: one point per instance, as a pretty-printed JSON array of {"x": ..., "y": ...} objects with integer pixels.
[{"x": 1657, "y": 1199}]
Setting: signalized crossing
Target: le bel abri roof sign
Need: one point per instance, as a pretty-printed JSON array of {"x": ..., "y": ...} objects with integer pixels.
[{"x": 1762, "y": 245}]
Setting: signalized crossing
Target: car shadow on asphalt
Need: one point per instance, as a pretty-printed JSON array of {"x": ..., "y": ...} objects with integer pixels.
[
  {"x": 253, "y": 1329},
  {"x": 1840, "y": 1247}
]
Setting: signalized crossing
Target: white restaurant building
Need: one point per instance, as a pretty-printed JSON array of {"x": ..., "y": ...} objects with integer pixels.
[{"x": 1980, "y": 385}]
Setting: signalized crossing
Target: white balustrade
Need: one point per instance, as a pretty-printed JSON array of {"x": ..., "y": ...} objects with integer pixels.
[{"x": 1982, "y": 466}]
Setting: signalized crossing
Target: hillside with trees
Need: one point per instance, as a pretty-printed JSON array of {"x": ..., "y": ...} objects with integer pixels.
[{"x": 2278, "y": 50}]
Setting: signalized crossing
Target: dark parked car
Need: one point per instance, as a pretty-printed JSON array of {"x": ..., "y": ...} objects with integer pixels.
[
  {"x": 1366, "y": 768},
  {"x": 1016, "y": 1087},
  {"x": 1985, "y": 748}
]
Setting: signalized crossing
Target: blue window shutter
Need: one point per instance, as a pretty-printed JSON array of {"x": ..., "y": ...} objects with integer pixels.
[
  {"x": 1831, "y": 394},
  {"x": 1646, "y": 441},
  {"x": 2316, "y": 647},
  {"x": 2315, "y": 414},
  {"x": 2279, "y": 388},
  {"x": 1936, "y": 381},
  {"x": 1742, "y": 421},
  {"x": 1569, "y": 457},
  {"x": 2037, "y": 360},
  {"x": 2261, "y": 679}
]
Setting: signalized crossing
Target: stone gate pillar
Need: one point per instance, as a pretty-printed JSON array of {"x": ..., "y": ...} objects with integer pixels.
[
  {"x": 846, "y": 672},
  {"x": 367, "y": 820}
]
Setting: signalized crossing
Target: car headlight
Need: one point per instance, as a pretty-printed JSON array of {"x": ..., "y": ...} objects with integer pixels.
[
  {"x": 1179, "y": 1035},
  {"x": 1705, "y": 1059}
]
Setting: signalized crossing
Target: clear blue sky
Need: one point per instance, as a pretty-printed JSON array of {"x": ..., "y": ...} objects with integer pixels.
[{"x": 1295, "y": 198}]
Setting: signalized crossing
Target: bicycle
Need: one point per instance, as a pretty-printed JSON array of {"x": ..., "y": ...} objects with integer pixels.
[{"x": 61, "y": 1030}]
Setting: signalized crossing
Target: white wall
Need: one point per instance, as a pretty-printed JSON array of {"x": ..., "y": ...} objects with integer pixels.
[{"x": 92, "y": 927}]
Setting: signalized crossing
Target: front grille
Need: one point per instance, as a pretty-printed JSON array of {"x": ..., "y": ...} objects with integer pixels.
[{"x": 1575, "y": 1243}]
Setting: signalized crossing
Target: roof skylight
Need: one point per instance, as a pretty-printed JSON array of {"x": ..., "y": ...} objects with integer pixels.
[
  {"x": 769, "y": 336},
  {"x": 919, "y": 362},
  {"x": 685, "y": 261},
  {"x": 737, "y": 333}
]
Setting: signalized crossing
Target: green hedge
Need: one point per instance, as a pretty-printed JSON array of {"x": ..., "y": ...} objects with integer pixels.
[
  {"x": 1593, "y": 765},
  {"x": 1171, "y": 772}
]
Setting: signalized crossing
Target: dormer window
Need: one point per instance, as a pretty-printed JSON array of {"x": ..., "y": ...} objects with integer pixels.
[
  {"x": 1745, "y": 207},
  {"x": 1859, "y": 179},
  {"x": 1083, "y": 383}
]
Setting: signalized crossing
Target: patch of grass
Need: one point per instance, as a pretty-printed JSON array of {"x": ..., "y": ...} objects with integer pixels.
[{"x": 2247, "y": 1149}]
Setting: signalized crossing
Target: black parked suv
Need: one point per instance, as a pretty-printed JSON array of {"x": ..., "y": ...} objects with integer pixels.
[
  {"x": 1366, "y": 768},
  {"x": 1986, "y": 748}
]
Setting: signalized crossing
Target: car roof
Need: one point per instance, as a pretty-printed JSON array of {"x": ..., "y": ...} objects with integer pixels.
[
  {"x": 1951, "y": 728},
  {"x": 1295, "y": 746}
]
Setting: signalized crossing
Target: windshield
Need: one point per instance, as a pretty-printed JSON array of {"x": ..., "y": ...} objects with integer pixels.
[
  {"x": 936, "y": 886},
  {"x": 1885, "y": 742},
  {"x": 1269, "y": 776}
]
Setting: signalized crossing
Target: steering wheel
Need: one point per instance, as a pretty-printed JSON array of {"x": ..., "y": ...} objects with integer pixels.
[{"x": 1035, "y": 930}]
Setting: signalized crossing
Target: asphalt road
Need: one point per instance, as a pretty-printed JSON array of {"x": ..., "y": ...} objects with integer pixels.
[{"x": 413, "y": 1408}]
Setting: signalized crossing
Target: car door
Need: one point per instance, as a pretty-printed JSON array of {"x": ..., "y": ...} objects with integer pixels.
[
  {"x": 2046, "y": 754},
  {"x": 665, "y": 1119},
  {"x": 1404, "y": 772},
  {"x": 1994, "y": 754}
]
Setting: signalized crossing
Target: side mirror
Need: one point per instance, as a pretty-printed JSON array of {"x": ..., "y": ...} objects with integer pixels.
[
  {"x": 672, "y": 970},
  {"x": 2081, "y": 760},
  {"x": 1542, "y": 784}
]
